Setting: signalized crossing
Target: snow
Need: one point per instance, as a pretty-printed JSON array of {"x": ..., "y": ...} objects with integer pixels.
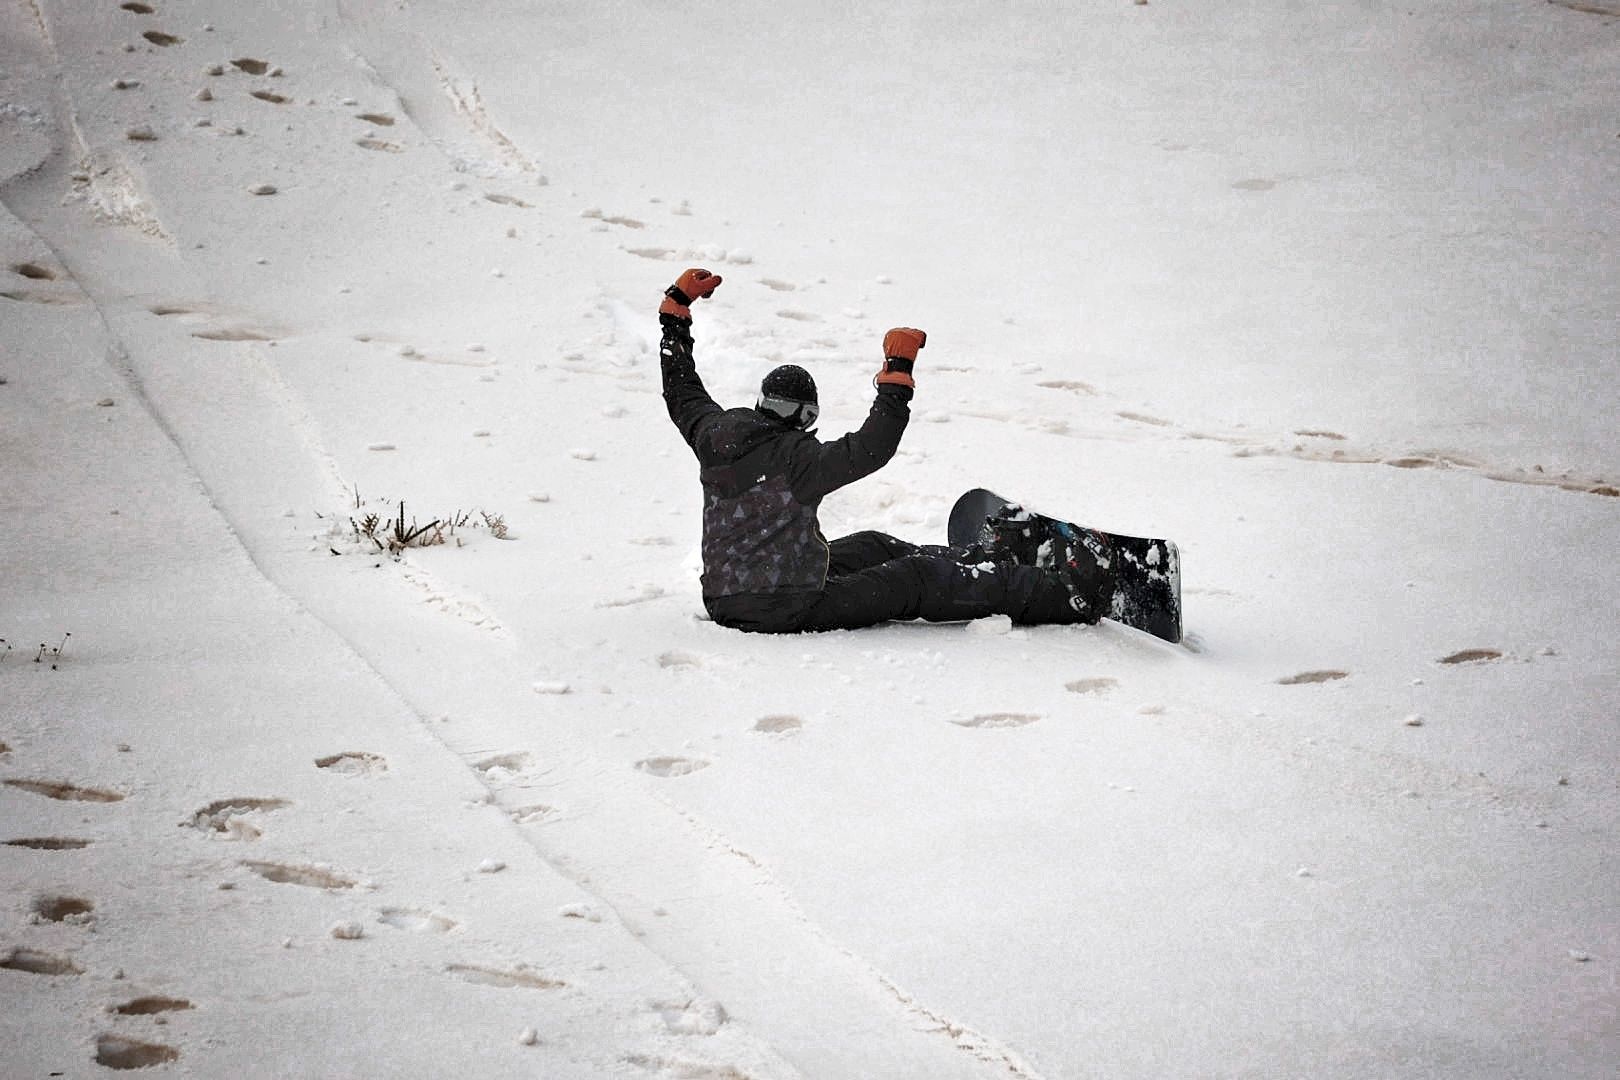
[{"x": 1324, "y": 293}]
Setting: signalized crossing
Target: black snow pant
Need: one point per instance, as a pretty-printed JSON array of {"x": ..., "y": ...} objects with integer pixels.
[{"x": 873, "y": 577}]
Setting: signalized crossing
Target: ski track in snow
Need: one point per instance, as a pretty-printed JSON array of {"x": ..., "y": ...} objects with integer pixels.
[
  {"x": 226, "y": 816},
  {"x": 1104, "y": 422},
  {"x": 500, "y": 770},
  {"x": 1305, "y": 444},
  {"x": 463, "y": 134},
  {"x": 453, "y": 118}
]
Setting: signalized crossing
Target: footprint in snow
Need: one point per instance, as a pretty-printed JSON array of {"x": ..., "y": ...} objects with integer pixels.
[
  {"x": 250, "y": 65},
  {"x": 26, "y": 296},
  {"x": 224, "y": 816},
  {"x": 162, "y": 40},
  {"x": 640, "y": 594},
  {"x": 416, "y": 921},
  {"x": 311, "y": 877},
  {"x": 685, "y": 1068},
  {"x": 697, "y": 1016},
  {"x": 1591, "y": 7},
  {"x": 1072, "y": 385},
  {"x": 533, "y": 814},
  {"x": 35, "y": 962},
  {"x": 233, "y": 333},
  {"x": 49, "y": 843},
  {"x": 54, "y": 789},
  {"x": 369, "y": 142},
  {"x": 1471, "y": 656},
  {"x": 518, "y": 978},
  {"x": 167, "y": 310},
  {"x": 118, "y": 1052},
  {"x": 500, "y": 767},
  {"x": 670, "y": 767},
  {"x": 57, "y": 909},
  {"x": 1099, "y": 685},
  {"x": 623, "y": 222},
  {"x": 998, "y": 720},
  {"x": 781, "y": 724},
  {"x": 151, "y": 1006},
  {"x": 354, "y": 763},
  {"x": 679, "y": 660},
  {"x": 1305, "y": 677}
]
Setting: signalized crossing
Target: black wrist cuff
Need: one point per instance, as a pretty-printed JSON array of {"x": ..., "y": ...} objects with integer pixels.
[
  {"x": 679, "y": 297},
  {"x": 895, "y": 363}
]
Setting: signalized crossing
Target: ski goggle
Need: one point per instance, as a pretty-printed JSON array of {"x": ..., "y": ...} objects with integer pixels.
[{"x": 801, "y": 414}]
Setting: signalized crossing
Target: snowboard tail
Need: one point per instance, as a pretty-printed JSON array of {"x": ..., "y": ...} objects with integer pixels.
[{"x": 1147, "y": 582}]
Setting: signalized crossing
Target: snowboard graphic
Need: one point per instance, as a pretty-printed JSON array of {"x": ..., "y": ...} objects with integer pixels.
[{"x": 1147, "y": 588}]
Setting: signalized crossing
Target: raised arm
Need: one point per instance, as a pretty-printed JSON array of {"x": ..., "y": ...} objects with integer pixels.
[
  {"x": 684, "y": 395},
  {"x": 822, "y": 468}
]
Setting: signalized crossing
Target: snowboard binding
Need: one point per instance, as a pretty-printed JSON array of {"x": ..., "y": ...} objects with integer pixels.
[
  {"x": 1084, "y": 562},
  {"x": 1082, "y": 558},
  {"x": 1031, "y": 540},
  {"x": 1012, "y": 535}
]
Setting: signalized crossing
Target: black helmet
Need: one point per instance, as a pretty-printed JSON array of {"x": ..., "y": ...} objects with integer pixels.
[{"x": 789, "y": 393}]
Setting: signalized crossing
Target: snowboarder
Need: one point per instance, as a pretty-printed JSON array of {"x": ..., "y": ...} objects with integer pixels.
[{"x": 766, "y": 566}]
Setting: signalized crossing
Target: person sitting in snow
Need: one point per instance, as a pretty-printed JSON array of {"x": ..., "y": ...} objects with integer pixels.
[{"x": 766, "y": 566}]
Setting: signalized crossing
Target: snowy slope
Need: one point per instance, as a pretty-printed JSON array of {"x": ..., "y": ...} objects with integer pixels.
[{"x": 318, "y": 258}]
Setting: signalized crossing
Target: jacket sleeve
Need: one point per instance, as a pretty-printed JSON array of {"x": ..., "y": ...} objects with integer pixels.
[
  {"x": 688, "y": 402},
  {"x": 818, "y": 468}
]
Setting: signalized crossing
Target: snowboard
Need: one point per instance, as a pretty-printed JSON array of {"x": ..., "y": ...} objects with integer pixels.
[{"x": 1147, "y": 586}]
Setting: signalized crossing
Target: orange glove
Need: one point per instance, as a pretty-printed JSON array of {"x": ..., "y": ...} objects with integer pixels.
[
  {"x": 691, "y": 285},
  {"x": 900, "y": 347}
]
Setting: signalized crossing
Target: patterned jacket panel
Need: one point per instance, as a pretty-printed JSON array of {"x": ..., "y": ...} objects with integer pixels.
[{"x": 761, "y": 540}]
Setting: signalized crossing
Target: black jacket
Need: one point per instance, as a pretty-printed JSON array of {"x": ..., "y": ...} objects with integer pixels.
[{"x": 763, "y": 480}]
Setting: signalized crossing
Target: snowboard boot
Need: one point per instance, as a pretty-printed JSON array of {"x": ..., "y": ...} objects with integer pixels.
[
  {"x": 1082, "y": 559},
  {"x": 1084, "y": 562},
  {"x": 1013, "y": 536}
]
